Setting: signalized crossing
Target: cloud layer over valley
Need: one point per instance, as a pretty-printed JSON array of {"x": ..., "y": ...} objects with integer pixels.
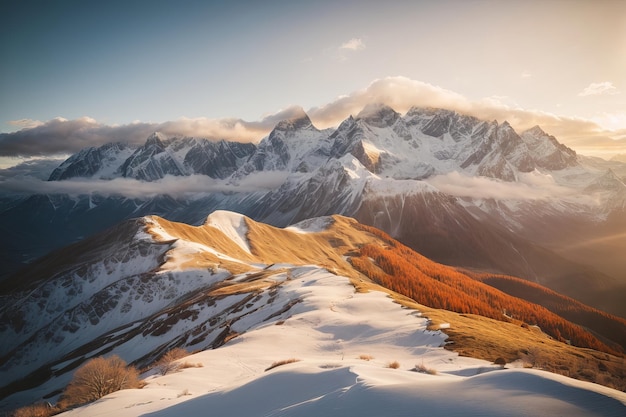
[{"x": 176, "y": 187}]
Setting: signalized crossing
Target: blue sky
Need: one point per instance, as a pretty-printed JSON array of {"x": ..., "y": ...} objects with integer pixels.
[{"x": 114, "y": 63}]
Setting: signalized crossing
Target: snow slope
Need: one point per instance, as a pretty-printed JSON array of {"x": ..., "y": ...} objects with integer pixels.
[
  {"x": 246, "y": 295},
  {"x": 232, "y": 225},
  {"x": 327, "y": 332}
]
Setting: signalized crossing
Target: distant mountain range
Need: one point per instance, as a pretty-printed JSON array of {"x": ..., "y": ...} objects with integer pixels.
[
  {"x": 460, "y": 190},
  {"x": 187, "y": 242}
]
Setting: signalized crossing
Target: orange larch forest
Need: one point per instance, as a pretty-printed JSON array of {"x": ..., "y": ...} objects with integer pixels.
[{"x": 402, "y": 270}]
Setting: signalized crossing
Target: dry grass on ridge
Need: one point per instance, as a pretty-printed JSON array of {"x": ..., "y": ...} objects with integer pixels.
[
  {"x": 469, "y": 335},
  {"x": 281, "y": 363},
  {"x": 484, "y": 338},
  {"x": 326, "y": 248},
  {"x": 271, "y": 245}
]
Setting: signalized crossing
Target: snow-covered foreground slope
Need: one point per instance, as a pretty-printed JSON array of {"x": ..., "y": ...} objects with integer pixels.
[
  {"x": 328, "y": 332},
  {"x": 245, "y": 295}
]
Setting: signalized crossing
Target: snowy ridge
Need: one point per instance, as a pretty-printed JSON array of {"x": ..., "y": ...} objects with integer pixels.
[
  {"x": 232, "y": 225},
  {"x": 171, "y": 285},
  {"x": 327, "y": 333}
]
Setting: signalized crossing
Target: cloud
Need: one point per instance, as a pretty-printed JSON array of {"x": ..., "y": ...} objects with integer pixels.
[
  {"x": 25, "y": 123},
  {"x": 597, "y": 89},
  {"x": 38, "y": 168},
  {"x": 354, "y": 44},
  {"x": 526, "y": 74},
  {"x": 61, "y": 136},
  {"x": 532, "y": 186},
  {"x": 176, "y": 187},
  {"x": 612, "y": 121},
  {"x": 400, "y": 93}
]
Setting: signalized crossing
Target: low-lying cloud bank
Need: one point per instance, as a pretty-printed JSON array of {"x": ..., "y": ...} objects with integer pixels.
[
  {"x": 531, "y": 186},
  {"x": 61, "y": 136},
  {"x": 37, "y": 168},
  {"x": 176, "y": 187}
]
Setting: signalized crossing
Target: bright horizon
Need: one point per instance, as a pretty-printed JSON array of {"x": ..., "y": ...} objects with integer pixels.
[{"x": 78, "y": 72}]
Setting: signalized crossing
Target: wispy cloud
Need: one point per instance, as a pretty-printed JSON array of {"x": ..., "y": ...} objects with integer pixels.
[
  {"x": 38, "y": 168},
  {"x": 597, "y": 89},
  {"x": 532, "y": 186},
  {"x": 62, "y": 136},
  {"x": 526, "y": 74},
  {"x": 177, "y": 187},
  {"x": 354, "y": 44},
  {"x": 25, "y": 123}
]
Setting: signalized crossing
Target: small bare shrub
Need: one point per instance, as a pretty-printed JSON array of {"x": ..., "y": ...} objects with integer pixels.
[
  {"x": 500, "y": 361},
  {"x": 393, "y": 365},
  {"x": 533, "y": 358},
  {"x": 186, "y": 365},
  {"x": 366, "y": 357},
  {"x": 167, "y": 364},
  {"x": 183, "y": 393},
  {"x": 34, "y": 410},
  {"x": 424, "y": 369},
  {"x": 280, "y": 363},
  {"x": 99, "y": 377},
  {"x": 330, "y": 366}
]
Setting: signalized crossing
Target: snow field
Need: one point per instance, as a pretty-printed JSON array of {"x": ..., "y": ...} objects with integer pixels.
[{"x": 326, "y": 332}]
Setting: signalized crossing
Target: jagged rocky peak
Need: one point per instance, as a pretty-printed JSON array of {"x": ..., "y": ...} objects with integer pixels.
[
  {"x": 88, "y": 161},
  {"x": 616, "y": 188},
  {"x": 607, "y": 181},
  {"x": 298, "y": 119},
  {"x": 547, "y": 150},
  {"x": 429, "y": 112},
  {"x": 378, "y": 115},
  {"x": 536, "y": 131},
  {"x": 435, "y": 122},
  {"x": 344, "y": 126},
  {"x": 619, "y": 157},
  {"x": 156, "y": 139}
]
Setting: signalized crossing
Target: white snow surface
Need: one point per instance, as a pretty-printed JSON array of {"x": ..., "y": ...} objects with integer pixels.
[
  {"x": 232, "y": 225},
  {"x": 327, "y": 332}
]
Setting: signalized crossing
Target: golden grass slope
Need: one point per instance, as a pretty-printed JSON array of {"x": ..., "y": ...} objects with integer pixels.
[
  {"x": 332, "y": 248},
  {"x": 268, "y": 244}
]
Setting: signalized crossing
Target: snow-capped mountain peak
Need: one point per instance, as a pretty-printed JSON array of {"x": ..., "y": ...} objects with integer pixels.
[
  {"x": 546, "y": 151},
  {"x": 156, "y": 140},
  {"x": 232, "y": 225},
  {"x": 378, "y": 115},
  {"x": 101, "y": 162},
  {"x": 298, "y": 120}
]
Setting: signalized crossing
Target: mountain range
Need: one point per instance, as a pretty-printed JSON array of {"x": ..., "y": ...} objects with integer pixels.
[
  {"x": 457, "y": 189},
  {"x": 193, "y": 243}
]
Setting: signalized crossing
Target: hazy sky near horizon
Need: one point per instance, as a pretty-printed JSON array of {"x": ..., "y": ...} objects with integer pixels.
[{"x": 117, "y": 63}]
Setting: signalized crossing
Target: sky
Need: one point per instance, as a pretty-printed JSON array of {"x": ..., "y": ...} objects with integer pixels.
[{"x": 79, "y": 74}]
